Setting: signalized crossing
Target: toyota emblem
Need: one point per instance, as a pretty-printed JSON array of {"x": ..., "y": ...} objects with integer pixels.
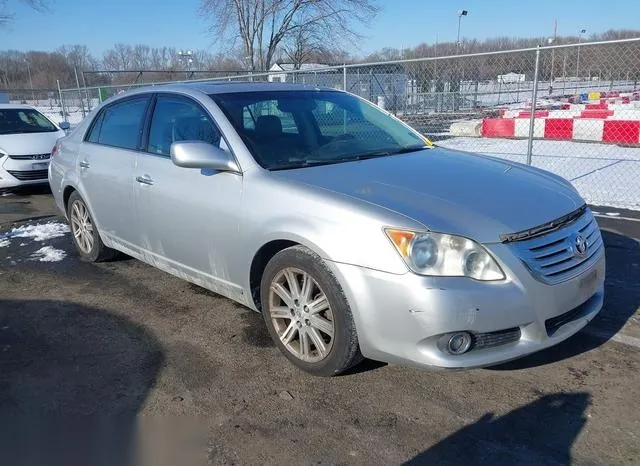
[{"x": 580, "y": 245}]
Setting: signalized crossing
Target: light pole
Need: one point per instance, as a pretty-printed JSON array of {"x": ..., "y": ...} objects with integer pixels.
[
  {"x": 552, "y": 41},
  {"x": 33, "y": 96},
  {"x": 461, "y": 13},
  {"x": 582, "y": 31},
  {"x": 186, "y": 58}
]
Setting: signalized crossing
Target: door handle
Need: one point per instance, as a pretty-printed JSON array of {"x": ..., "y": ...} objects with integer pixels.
[
  {"x": 144, "y": 180},
  {"x": 84, "y": 164}
]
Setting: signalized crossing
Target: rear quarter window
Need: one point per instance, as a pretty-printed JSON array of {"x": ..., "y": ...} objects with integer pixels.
[{"x": 120, "y": 124}]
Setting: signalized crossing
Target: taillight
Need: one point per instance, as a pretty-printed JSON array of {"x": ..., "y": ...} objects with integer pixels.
[{"x": 54, "y": 151}]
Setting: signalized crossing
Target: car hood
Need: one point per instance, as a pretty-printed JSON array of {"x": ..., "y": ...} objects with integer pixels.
[
  {"x": 32, "y": 143},
  {"x": 464, "y": 194}
]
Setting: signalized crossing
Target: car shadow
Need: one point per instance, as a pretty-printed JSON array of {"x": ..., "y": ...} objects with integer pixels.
[
  {"x": 541, "y": 432},
  {"x": 29, "y": 190},
  {"x": 72, "y": 381},
  {"x": 622, "y": 298}
]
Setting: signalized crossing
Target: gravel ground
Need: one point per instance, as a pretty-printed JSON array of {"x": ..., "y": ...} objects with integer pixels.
[{"x": 166, "y": 368}]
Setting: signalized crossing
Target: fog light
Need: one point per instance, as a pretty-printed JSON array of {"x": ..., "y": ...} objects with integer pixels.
[{"x": 459, "y": 342}]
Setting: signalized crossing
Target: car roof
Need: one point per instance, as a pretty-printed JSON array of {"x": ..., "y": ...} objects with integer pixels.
[
  {"x": 16, "y": 106},
  {"x": 225, "y": 87}
]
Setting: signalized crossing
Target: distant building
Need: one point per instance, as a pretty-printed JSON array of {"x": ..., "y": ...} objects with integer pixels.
[
  {"x": 4, "y": 97},
  {"x": 274, "y": 76},
  {"x": 511, "y": 78}
]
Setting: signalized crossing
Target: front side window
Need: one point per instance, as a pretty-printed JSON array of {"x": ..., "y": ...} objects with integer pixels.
[
  {"x": 293, "y": 129},
  {"x": 176, "y": 119},
  {"x": 120, "y": 124},
  {"x": 24, "y": 120}
]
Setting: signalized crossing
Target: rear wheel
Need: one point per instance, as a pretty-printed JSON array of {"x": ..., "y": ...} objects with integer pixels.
[
  {"x": 86, "y": 237},
  {"x": 307, "y": 313}
]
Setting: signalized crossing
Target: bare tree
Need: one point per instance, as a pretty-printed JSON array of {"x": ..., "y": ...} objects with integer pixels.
[
  {"x": 79, "y": 57},
  {"x": 6, "y": 15},
  {"x": 263, "y": 25},
  {"x": 304, "y": 45}
]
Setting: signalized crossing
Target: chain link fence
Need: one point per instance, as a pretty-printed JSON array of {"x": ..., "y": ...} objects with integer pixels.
[{"x": 573, "y": 110}]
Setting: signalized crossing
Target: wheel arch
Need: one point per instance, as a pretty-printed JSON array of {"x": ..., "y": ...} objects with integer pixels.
[
  {"x": 66, "y": 194},
  {"x": 265, "y": 253}
]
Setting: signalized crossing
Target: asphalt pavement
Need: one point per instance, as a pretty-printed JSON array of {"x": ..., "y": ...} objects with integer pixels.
[{"x": 118, "y": 362}]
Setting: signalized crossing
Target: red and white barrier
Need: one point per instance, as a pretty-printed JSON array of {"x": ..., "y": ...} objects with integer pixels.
[
  {"x": 600, "y": 111},
  {"x": 576, "y": 129}
]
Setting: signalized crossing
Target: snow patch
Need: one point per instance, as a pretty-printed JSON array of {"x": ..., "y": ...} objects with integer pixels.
[
  {"x": 49, "y": 254},
  {"x": 39, "y": 232},
  {"x": 4, "y": 242}
]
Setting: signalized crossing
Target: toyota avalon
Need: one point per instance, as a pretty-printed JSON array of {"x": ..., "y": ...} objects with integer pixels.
[{"x": 351, "y": 233}]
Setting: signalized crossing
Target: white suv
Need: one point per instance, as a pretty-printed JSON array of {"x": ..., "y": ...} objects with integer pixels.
[{"x": 26, "y": 140}]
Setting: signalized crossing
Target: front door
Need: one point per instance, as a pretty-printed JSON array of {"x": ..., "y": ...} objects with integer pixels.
[{"x": 189, "y": 218}]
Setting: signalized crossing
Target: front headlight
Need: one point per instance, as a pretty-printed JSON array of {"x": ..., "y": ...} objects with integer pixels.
[{"x": 428, "y": 253}]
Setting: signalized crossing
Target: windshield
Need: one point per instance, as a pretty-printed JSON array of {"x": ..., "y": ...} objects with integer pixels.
[
  {"x": 24, "y": 120},
  {"x": 293, "y": 129}
]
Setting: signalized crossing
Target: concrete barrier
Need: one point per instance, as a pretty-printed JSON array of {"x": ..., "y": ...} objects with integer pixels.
[{"x": 471, "y": 128}]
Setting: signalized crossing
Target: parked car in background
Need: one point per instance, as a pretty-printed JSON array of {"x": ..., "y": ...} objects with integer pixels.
[
  {"x": 27, "y": 138},
  {"x": 348, "y": 231}
]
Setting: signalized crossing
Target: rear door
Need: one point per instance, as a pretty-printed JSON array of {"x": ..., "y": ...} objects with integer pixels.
[
  {"x": 106, "y": 165},
  {"x": 189, "y": 218}
]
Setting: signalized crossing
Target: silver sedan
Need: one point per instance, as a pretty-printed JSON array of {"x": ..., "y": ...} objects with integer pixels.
[{"x": 350, "y": 232}]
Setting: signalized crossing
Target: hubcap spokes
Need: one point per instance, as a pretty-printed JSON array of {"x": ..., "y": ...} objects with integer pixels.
[
  {"x": 301, "y": 315},
  {"x": 81, "y": 226}
]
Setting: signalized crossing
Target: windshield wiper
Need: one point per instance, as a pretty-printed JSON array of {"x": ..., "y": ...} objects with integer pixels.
[
  {"x": 304, "y": 164},
  {"x": 353, "y": 158},
  {"x": 383, "y": 153}
]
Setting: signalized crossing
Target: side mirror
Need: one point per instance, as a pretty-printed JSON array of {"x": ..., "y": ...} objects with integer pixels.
[
  {"x": 198, "y": 154},
  {"x": 64, "y": 125}
]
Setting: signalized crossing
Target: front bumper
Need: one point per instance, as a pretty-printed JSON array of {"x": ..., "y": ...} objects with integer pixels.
[
  {"x": 15, "y": 173},
  {"x": 400, "y": 318}
]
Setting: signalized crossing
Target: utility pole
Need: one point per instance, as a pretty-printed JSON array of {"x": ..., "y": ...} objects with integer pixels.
[{"x": 186, "y": 58}]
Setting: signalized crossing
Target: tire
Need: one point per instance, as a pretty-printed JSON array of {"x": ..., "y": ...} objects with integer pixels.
[
  {"x": 325, "y": 325},
  {"x": 90, "y": 248}
]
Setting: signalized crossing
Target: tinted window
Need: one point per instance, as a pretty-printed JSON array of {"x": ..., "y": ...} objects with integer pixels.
[
  {"x": 291, "y": 129},
  {"x": 177, "y": 118},
  {"x": 122, "y": 123},
  {"x": 94, "y": 133}
]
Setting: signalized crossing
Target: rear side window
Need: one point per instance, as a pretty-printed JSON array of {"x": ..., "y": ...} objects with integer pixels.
[
  {"x": 177, "y": 118},
  {"x": 94, "y": 132},
  {"x": 120, "y": 125}
]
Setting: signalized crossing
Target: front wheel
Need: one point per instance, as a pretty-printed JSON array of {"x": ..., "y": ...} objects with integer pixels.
[{"x": 307, "y": 314}]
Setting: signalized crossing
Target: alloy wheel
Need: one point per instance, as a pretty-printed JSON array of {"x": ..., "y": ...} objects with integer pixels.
[
  {"x": 301, "y": 315},
  {"x": 81, "y": 226}
]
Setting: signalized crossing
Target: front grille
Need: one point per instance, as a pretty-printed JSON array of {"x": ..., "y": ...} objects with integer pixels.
[
  {"x": 491, "y": 339},
  {"x": 30, "y": 157},
  {"x": 30, "y": 175},
  {"x": 553, "y": 324},
  {"x": 552, "y": 257}
]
